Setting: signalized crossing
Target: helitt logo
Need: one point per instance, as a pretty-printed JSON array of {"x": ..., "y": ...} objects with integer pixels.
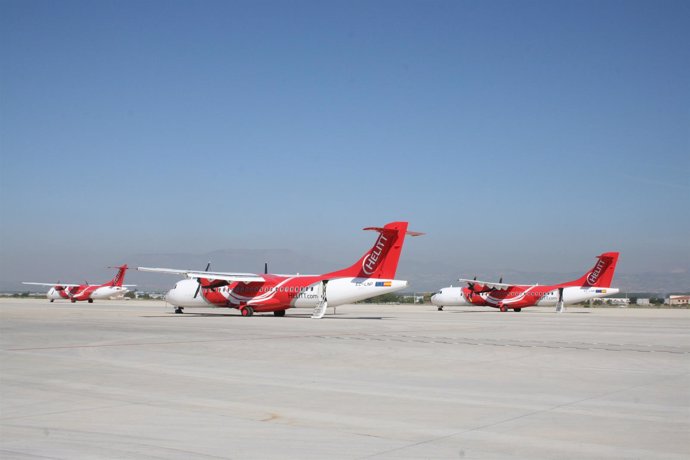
[
  {"x": 598, "y": 270},
  {"x": 371, "y": 261}
]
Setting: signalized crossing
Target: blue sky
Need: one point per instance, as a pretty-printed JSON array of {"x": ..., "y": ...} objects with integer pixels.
[{"x": 525, "y": 135}]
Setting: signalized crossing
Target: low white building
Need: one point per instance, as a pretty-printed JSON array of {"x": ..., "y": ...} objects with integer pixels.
[{"x": 678, "y": 300}]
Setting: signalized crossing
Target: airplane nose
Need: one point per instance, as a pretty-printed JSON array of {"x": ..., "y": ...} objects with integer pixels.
[
  {"x": 171, "y": 297},
  {"x": 433, "y": 299}
]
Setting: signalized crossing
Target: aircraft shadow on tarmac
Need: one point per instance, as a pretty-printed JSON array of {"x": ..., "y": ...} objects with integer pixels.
[
  {"x": 259, "y": 315},
  {"x": 533, "y": 312}
]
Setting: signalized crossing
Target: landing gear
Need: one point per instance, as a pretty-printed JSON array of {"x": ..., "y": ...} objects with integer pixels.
[
  {"x": 52, "y": 300},
  {"x": 72, "y": 300},
  {"x": 247, "y": 311},
  {"x": 179, "y": 310},
  {"x": 517, "y": 309},
  {"x": 280, "y": 313},
  {"x": 503, "y": 308},
  {"x": 440, "y": 308},
  {"x": 90, "y": 300}
]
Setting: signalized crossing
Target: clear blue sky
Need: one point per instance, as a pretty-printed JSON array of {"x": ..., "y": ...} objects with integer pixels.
[{"x": 530, "y": 135}]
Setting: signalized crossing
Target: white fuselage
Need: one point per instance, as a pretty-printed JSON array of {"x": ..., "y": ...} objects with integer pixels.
[
  {"x": 339, "y": 291},
  {"x": 454, "y": 296},
  {"x": 109, "y": 292},
  {"x": 101, "y": 293}
]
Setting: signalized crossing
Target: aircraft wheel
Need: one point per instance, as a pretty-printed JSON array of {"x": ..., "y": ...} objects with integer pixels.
[
  {"x": 247, "y": 311},
  {"x": 440, "y": 308},
  {"x": 280, "y": 313},
  {"x": 73, "y": 300},
  {"x": 52, "y": 300},
  {"x": 90, "y": 300},
  {"x": 178, "y": 310},
  {"x": 517, "y": 309},
  {"x": 503, "y": 309}
]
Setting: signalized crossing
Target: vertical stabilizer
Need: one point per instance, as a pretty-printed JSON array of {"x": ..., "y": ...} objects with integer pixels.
[
  {"x": 119, "y": 277},
  {"x": 381, "y": 261},
  {"x": 601, "y": 275}
]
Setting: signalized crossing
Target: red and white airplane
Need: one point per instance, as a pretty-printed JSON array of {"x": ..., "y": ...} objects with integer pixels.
[
  {"x": 79, "y": 292},
  {"x": 593, "y": 284},
  {"x": 372, "y": 275}
]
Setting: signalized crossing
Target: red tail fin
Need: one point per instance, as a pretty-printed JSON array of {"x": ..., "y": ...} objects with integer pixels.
[
  {"x": 119, "y": 277},
  {"x": 601, "y": 275},
  {"x": 381, "y": 261}
]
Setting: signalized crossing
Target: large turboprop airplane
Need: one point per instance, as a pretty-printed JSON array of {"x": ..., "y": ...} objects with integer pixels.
[
  {"x": 593, "y": 284},
  {"x": 372, "y": 275},
  {"x": 89, "y": 292}
]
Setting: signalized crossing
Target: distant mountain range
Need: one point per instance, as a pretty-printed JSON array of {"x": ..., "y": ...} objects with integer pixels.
[{"x": 423, "y": 276}]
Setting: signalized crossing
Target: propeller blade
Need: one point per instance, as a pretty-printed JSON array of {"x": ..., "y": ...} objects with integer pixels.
[
  {"x": 471, "y": 285},
  {"x": 500, "y": 280},
  {"x": 208, "y": 265},
  {"x": 265, "y": 268},
  {"x": 198, "y": 288}
]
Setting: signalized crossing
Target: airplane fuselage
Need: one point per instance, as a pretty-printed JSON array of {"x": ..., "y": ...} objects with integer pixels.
[
  {"x": 280, "y": 292},
  {"x": 85, "y": 292},
  {"x": 518, "y": 296}
]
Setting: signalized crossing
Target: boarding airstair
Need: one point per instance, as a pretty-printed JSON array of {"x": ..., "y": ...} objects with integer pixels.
[{"x": 320, "y": 309}]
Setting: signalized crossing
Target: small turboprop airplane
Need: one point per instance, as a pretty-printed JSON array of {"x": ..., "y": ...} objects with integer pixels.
[
  {"x": 79, "y": 292},
  {"x": 372, "y": 275},
  {"x": 593, "y": 284}
]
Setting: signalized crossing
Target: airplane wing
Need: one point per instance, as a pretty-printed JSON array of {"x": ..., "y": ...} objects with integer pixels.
[
  {"x": 244, "y": 277},
  {"x": 493, "y": 285},
  {"x": 51, "y": 284}
]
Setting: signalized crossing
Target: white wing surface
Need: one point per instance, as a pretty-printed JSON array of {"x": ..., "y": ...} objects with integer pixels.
[
  {"x": 244, "y": 277},
  {"x": 51, "y": 284},
  {"x": 492, "y": 284}
]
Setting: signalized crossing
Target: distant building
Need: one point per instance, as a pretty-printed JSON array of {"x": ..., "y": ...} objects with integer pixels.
[
  {"x": 643, "y": 301},
  {"x": 678, "y": 300},
  {"x": 618, "y": 301}
]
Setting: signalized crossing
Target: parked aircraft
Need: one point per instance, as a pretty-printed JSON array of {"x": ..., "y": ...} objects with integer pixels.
[
  {"x": 593, "y": 284},
  {"x": 372, "y": 275},
  {"x": 89, "y": 292}
]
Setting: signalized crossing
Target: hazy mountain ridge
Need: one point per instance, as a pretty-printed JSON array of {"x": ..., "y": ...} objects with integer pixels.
[{"x": 422, "y": 275}]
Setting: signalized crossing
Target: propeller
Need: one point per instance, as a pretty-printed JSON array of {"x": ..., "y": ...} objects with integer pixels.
[
  {"x": 471, "y": 285},
  {"x": 265, "y": 268},
  {"x": 500, "y": 280},
  {"x": 198, "y": 280}
]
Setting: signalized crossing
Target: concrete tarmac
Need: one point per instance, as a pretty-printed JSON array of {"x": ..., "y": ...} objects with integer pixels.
[{"x": 127, "y": 379}]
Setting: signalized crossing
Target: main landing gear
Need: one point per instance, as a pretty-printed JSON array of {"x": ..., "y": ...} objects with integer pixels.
[
  {"x": 247, "y": 311},
  {"x": 440, "y": 308},
  {"x": 280, "y": 313},
  {"x": 90, "y": 300},
  {"x": 179, "y": 310}
]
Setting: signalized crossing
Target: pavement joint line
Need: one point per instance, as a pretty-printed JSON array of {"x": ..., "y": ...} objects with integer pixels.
[{"x": 528, "y": 414}]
